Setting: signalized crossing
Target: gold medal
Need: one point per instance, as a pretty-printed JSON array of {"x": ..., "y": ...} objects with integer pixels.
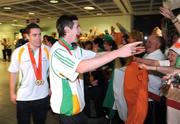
[{"x": 39, "y": 82}]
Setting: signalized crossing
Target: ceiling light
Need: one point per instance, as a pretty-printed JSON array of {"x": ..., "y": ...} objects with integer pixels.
[
  {"x": 98, "y": 14},
  {"x": 7, "y": 8},
  {"x": 89, "y": 8},
  {"x": 16, "y": 25},
  {"x": 31, "y": 13},
  {"x": 53, "y": 1}
]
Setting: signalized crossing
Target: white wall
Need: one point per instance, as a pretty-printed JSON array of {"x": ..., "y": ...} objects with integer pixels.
[
  {"x": 48, "y": 26},
  {"x": 7, "y": 31},
  {"x": 102, "y": 23}
]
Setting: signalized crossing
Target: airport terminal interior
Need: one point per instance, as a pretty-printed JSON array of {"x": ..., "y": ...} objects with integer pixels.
[{"x": 106, "y": 25}]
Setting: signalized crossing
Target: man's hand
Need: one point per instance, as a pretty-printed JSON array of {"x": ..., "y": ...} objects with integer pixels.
[
  {"x": 131, "y": 49},
  {"x": 166, "y": 12},
  {"x": 13, "y": 98},
  {"x": 94, "y": 83},
  {"x": 168, "y": 76}
]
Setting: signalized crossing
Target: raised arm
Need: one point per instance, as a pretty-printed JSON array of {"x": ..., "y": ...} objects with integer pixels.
[
  {"x": 162, "y": 69},
  {"x": 122, "y": 29},
  {"x": 166, "y": 12},
  {"x": 125, "y": 51},
  {"x": 147, "y": 61}
]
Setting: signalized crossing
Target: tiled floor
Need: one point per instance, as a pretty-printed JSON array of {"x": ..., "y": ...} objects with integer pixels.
[{"x": 8, "y": 110}]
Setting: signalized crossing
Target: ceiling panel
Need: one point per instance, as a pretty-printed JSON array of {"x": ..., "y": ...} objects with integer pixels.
[{"x": 44, "y": 9}]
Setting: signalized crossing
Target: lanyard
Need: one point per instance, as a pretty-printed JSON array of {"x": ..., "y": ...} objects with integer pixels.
[
  {"x": 63, "y": 44},
  {"x": 37, "y": 69}
]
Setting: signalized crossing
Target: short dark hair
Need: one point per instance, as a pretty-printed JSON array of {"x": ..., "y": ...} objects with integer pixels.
[
  {"x": 31, "y": 26},
  {"x": 111, "y": 43},
  {"x": 65, "y": 20},
  {"x": 51, "y": 39},
  {"x": 22, "y": 31},
  {"x": 98, "y": 41}
]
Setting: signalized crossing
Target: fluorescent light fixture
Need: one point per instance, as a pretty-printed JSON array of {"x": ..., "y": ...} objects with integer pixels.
[
  {"x": 89, "y": 8},
  {"x": 17, "y": 25},
  {"x": 7, "y": 8},
  {"x": 53, "y": 1},
  {"x": 98, "y": 14},
  {"x": 31, "y": 13}
]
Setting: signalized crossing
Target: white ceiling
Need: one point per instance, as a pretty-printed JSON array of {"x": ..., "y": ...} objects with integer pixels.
[{"x": 43, "y": 9}]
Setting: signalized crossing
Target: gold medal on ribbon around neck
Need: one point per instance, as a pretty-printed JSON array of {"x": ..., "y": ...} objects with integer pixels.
[
  {"x": 39, "y": 82},
  {"x": 36, "y": 67}
]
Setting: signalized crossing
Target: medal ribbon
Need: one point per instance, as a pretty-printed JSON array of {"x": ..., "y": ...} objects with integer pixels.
[
  {"x": 37, "y": 69},
  {"x": 63, "y": 44}
]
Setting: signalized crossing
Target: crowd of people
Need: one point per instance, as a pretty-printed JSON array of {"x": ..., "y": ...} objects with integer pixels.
[{"x": 79, "y": 72}]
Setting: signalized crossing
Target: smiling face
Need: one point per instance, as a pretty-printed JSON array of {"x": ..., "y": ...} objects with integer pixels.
[
  {"x": 172, "y": 57},
  {"x": 34, "y": 37}
]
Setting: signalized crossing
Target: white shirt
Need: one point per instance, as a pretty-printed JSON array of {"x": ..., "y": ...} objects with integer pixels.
[
  {"x": 156, "y": 55},
  {"x": 155, "y": 81},
  {"x": 66, "y": 84},
  {"x": 20, "y": 62}
]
